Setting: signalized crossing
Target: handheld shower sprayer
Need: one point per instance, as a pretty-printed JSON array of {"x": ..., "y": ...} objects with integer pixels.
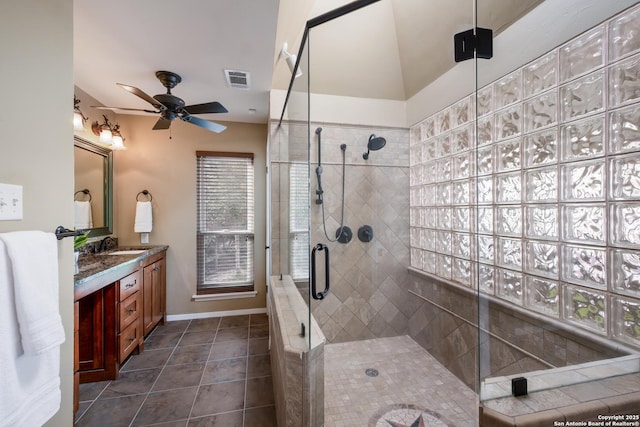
[
  {"x": 375, "y": 143},
  {"x": 319, "y": 191},
  {"x": 343, "y": 233}
]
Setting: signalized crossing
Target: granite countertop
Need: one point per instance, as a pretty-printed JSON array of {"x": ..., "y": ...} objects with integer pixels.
[{"x": 94, "y": 266}]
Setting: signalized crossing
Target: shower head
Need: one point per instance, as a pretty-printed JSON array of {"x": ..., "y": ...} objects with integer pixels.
[{"x": 375, "y": 143}]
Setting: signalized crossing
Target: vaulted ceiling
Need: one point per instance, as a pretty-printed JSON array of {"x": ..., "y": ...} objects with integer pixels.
[{"x": 388, "y": 50}]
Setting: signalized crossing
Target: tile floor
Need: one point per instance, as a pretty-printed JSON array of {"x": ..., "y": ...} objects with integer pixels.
[
  {"x": 205, "y": 372},
  {"x": 217, "y": 372},
  {"x": 411, "y": 387}
]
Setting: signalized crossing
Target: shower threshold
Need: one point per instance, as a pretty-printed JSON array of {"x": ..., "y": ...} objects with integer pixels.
[{"x": 411, "y": 384}]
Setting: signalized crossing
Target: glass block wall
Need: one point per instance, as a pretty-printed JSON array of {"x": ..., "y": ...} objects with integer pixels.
[{"x": 538, "y": 200}]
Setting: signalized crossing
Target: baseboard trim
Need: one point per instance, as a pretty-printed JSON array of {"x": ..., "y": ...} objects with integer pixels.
[{"x": 191, "y": 316}]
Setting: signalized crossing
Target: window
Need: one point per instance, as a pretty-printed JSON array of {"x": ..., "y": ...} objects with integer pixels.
[
  {"x": 225, "y": 231},
  {"x": 299, "y": 221}
]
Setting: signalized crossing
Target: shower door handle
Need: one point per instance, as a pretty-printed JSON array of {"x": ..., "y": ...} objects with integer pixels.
[{"x": 314, "y": 293}]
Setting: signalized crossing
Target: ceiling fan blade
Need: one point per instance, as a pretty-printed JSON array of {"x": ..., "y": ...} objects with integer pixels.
[
  {"x": 139, "y": 93},
  {"x": 100, "y": 107},
  {"x": 214, "y": 127},
  {"x": 162, "y": 123},
  {"x": 209, "y": 107}
]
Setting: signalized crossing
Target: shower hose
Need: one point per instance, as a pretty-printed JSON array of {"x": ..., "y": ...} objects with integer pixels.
[{"x": 343, "y": 147}]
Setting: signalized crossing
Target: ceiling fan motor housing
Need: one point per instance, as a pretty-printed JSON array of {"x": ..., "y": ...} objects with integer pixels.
[
  {"x": 172, "y": 102},
  {"x": 168, "y": 79}
]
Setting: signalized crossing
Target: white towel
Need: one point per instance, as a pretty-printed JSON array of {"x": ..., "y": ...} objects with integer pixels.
[
  {"x": 29, "y": 383},
  {"x": 34, "y": 265},
  {"x": 144, "y": 218},
  {"x": 83, "y": 215}
]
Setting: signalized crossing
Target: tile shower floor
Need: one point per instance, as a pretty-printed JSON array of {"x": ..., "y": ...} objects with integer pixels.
[
  {"x": 411, "y": 385},
  {"x": 205, "y": 372}
]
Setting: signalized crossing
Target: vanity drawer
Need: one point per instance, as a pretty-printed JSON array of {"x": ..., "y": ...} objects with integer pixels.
[
  {"x": 129, "y": 285},
  {"x": 130, "y": 310},
  {"x": 128, "y": 340}
]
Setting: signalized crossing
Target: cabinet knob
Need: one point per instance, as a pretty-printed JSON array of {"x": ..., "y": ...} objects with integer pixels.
[
  {"x": 129, "y": 285},
  {"x": 132, "y": 339},
  {"x": 131, "y": 310}
]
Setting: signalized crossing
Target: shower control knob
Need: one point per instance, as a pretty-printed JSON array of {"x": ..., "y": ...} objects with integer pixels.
[{"x": 365, "y": 233}]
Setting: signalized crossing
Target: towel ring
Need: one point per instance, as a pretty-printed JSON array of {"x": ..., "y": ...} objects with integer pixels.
[
  {"x": 146, "y": 193},
  {"x": 85, "y": 192}
]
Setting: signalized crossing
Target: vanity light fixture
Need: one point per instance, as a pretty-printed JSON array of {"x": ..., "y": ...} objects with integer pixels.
[
  {"x": 108, "y": 133},
  {"x": 290, "y": 58},
  {"x": 78, "y": 117},
  {"x": 117, "y": 141},
  {"x": 103, "y": 130}
]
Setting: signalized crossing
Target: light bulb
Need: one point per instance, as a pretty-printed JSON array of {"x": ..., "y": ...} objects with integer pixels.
[
  {"x": 78, "y": 121},
  {"x": 106, "y": 136}
]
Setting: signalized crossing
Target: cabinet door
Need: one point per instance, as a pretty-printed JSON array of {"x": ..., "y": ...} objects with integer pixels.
[
  {"x": 153, "y": 295},
  {"x": 158, "y": 304},
  {"x": 97, "y": 335}
]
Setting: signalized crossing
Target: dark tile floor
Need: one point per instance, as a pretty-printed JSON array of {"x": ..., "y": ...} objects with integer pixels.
[{"x": 204, "y": 372}]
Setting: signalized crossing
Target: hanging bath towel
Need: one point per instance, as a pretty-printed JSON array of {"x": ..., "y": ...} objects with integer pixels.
[
  {"x": 144, "y": 218},
  {"x": 31, "y": 329},
  {"x": 83, "y": 215}
]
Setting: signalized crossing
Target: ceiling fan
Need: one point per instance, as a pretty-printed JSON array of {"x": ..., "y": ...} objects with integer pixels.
[{"x": 170, "y": 107}]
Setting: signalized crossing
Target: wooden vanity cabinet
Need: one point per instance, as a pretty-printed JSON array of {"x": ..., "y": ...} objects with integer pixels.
[
  {"x": 129, "y": 316},
  {"x": 154, "y": 292},
  {"x": 113, "y": 313}
]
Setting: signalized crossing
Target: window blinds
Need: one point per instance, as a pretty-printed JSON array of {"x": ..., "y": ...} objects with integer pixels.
[
  {"x": 299, "y": 221},
  {"x": 225, "y": 231}
]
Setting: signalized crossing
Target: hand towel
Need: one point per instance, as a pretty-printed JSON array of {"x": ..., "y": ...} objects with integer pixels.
[
  {"x": 29, "y": 384},
  {"x": 83, "y": 215},
  {"x": 34, "y": 266},
  {"x": 144, "y": 218}
]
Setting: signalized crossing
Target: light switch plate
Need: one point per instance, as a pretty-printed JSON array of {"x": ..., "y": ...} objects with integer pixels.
[
  {"x": 10, "y": 202},
  {"x": 144, "y": 238}
]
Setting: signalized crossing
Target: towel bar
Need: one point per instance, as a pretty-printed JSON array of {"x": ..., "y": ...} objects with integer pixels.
[
  {"x": 146, "y": 193},
  {"x": 62, "y": 232}
]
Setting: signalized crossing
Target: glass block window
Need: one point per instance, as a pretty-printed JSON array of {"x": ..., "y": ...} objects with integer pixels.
[{"x": 535, "y": 198}]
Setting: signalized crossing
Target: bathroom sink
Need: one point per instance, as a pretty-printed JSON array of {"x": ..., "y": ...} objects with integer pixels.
[{"x": 127, "y": 252}]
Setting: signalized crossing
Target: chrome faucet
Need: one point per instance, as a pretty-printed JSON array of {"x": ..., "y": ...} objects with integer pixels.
[{"x": 106, "y": 243}]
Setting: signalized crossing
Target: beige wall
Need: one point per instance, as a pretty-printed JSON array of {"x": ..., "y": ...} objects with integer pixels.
[
  {"x": 167, "y": 168},
  {"x": 36, "y": 140}
]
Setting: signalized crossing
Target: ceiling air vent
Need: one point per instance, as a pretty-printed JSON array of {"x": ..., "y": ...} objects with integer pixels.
[{"x": 237, "y": 79}]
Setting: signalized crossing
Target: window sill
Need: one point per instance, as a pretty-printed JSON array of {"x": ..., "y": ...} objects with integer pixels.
[{"x": 229, "y": 295}]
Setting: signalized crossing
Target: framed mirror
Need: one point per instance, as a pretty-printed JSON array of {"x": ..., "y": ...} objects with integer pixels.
[{"x": 93, "y": 187}]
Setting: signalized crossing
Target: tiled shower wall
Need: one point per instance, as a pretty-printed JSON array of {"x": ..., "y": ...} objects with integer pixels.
[
  {"x": 545, "y": 213},
  {"x": 368, "y": 295}
]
